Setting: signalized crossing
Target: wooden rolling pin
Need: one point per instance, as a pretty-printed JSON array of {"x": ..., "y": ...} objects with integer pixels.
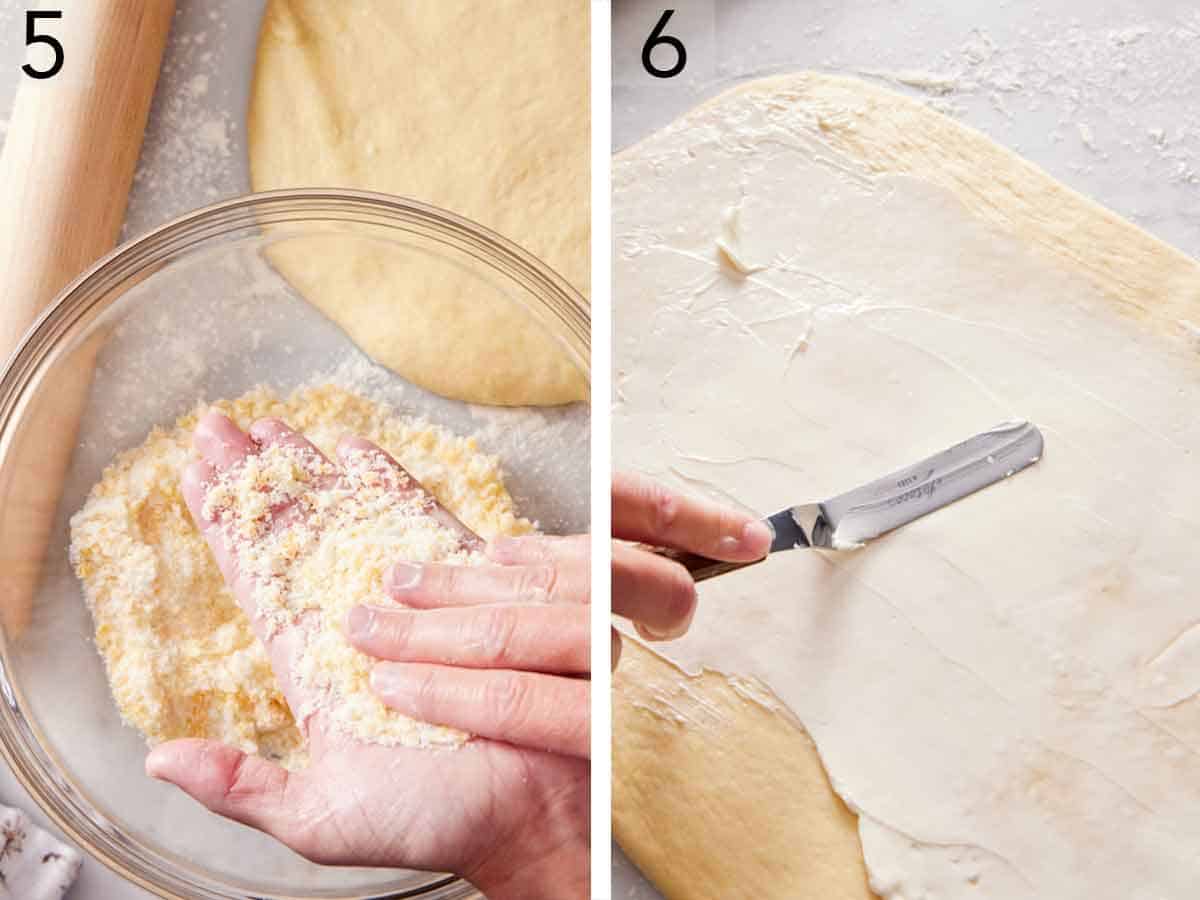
[{"x": 65, "y": 175}]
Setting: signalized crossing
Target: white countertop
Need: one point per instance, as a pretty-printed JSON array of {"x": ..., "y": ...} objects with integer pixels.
[
  {"x": 1101, "y": 96},
  {"x": 194, "y": 154}
]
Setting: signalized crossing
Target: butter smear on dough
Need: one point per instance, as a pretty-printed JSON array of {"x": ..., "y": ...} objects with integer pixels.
[{"x": 181, "y": 657}]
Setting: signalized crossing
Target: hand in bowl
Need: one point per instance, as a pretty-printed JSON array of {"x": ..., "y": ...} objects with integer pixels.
[{"x": 509, "y": 809}]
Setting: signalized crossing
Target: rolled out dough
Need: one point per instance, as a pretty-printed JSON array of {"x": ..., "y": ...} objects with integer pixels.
[
  {"x": 1005, "y": 692},
  {"x": 478, "y": 108}
]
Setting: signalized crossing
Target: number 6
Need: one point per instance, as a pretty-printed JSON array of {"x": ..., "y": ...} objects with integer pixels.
[{"x": 656, "y": 38}]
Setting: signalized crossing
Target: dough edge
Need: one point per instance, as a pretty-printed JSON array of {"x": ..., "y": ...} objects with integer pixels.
[
  {"x": 1147, "y": 279},
  {"x": 693, "y": 742}
]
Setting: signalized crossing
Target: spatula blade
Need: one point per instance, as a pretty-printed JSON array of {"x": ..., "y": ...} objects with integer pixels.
[{"x": 917, "y": 490}]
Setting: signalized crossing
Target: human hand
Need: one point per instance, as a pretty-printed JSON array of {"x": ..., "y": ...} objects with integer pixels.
[
  {"x": 511, "y": 819},
  {"x": 655, "y": 593},
  {"x": 486, "y": 648}
]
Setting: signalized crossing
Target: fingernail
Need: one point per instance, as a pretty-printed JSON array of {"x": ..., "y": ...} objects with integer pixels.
[
  {"x": 757, "y": 537},
  {"x": 653, "y": 634},
  {"x": 161, "y": 762},
  {"x": 155, "y": 765},
  {"x": 402, "y": 576},
  {"x": 360, "y": 623}
]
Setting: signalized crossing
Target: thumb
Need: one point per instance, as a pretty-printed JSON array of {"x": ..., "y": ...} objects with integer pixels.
[{"x": 237, "y": 785}]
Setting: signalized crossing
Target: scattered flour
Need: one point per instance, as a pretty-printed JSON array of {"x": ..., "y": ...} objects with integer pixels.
[
  {"x": 198, "y": 86},
  {"x": 1086, "y": 136},
  {"x": 1070, "y": 70},
  {"x": 190, "y": 155}
]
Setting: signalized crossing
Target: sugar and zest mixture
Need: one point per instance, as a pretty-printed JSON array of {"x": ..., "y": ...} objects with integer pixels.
[
  {"x": 314, "y": 543},
  {"x": 181, "y": 657}
]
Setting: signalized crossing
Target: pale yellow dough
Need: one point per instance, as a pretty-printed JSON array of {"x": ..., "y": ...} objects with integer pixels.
[
  {"x": 478, "y": 108},
  {"x": 720, "y": 792}
]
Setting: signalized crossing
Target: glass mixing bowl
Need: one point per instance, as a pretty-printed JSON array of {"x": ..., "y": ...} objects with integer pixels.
[{"x": 190, "y": 311}]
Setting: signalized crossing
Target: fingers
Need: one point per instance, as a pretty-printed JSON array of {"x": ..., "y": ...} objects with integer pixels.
[
  {"x": 197, "y": 476},
  {"x": 245, "y": 788},
  {"x": 658, "y": 595},
  {"x": 364, "y": 460},
  {"x": 362, "y": 455},
  {"x": 220, "y": 442},
  {"x": 425, "y": 586},
  {"x": 277, "y": 433},
  {"x": 644, "y": 510},
  {"x": 545, "y": 712},
  {"x": 616, "y": 647},
  {"x": 271, "y": 432},
  {"x": 194, "y": 485},
  {"x": 531, "y": 638},
  {"x": 538, "y": 549},
  {"x": 221, "y": 445}
]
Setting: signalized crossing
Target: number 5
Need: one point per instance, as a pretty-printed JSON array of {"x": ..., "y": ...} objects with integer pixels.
[
  {"x": 32, "y": 37},
  {"x": 656, "y": 38}
]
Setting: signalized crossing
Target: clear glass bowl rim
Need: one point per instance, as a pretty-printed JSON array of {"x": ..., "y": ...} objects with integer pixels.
[{"x": 79, "y": 301}]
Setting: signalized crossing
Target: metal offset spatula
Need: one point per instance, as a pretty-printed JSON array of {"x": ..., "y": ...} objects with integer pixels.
[{"x": 849, "y": 520}]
